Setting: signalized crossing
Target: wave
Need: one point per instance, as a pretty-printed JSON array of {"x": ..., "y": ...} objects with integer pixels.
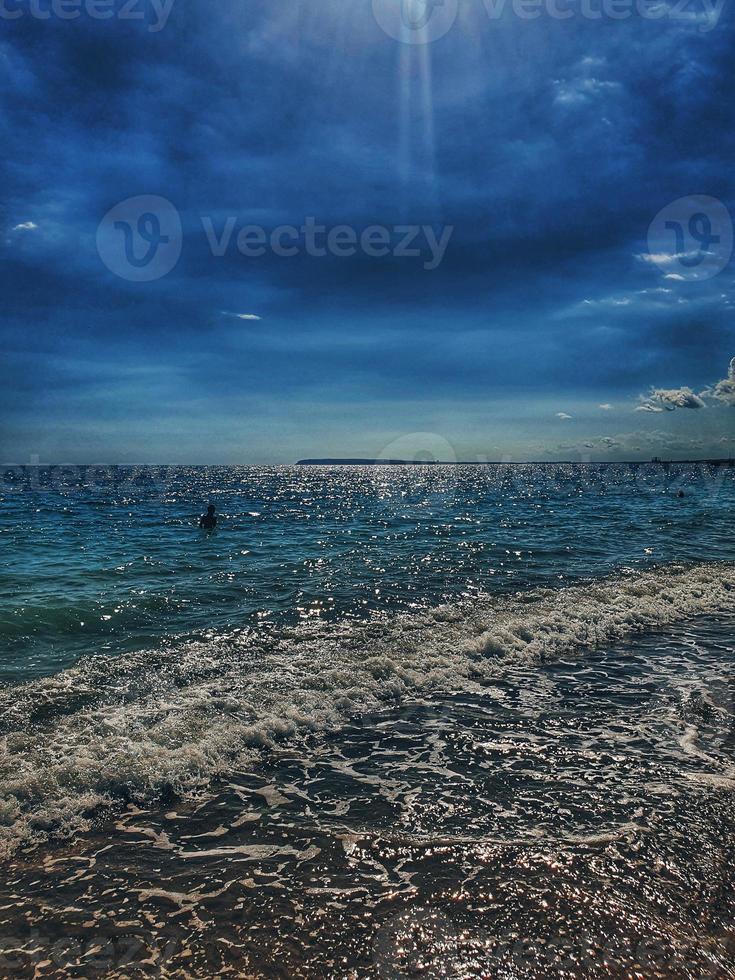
[{"x": 172, "y": 719}]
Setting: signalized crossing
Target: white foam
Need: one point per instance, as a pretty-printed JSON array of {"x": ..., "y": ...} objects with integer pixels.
[{"x": 131, "y": 725}]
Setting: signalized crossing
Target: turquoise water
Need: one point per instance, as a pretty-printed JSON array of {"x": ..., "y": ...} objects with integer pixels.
[
  {"x": 100, "y": 560},
  {"x": 384, "y": 722}
]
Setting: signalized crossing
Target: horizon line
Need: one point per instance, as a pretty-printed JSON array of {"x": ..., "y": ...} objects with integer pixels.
[{"x": 367, "y": 461}]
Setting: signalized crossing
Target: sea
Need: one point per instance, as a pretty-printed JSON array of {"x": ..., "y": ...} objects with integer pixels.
[{"x": 385, "y": 721}]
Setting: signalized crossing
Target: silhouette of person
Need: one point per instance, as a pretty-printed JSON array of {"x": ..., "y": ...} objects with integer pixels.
[{"x": 209, "y": 520}]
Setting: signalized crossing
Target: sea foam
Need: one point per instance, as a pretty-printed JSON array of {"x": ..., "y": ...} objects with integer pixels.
[{"x": 111, "y": 730}]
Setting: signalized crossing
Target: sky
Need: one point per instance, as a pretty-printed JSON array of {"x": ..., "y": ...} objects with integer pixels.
[{"x": 553, "y": 194}]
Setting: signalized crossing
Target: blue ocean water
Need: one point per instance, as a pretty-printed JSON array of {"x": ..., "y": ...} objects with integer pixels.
[
  {"x": 104, "y": 560},
  {"x": 383, "y": 722}
]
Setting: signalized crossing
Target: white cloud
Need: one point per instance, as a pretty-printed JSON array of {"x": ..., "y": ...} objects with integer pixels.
[
  {"x": 242, "y": 316},
  {"x": 592, "y": 61},
  {"x": 606, "y": 407},
  {"x": 26, "y": 226},
  {"x": 668, "y": 399},
  {"x": 648, "y": 407},
  {"x": 580, "y": 90},
  {"x": 602, "y": 443},
  {"x": 607, "y": 301},
  {"x": 724, "y": 391},
  {"x": 653, "y": 298},
  {"x": 678, "y": 397},
  {"x": 653, "y": 441},
  {"x": 665, "y": 258},
  {"x": 563, "y": 415}
]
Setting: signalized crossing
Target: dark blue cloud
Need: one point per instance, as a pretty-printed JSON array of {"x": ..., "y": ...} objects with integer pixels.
[{"x": 548, "y": 145}]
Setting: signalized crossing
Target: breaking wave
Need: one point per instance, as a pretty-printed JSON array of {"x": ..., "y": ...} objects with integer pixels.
[{"x": 174, "y": 718}]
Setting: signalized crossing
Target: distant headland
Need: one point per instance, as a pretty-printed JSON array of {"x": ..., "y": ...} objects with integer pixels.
[{"x": 368, "y": 462}]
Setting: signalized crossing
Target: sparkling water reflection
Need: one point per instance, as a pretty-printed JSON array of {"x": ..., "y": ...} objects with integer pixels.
[
  {"x": 273, "y": 752},
  {"x": 574, "y": 819}
]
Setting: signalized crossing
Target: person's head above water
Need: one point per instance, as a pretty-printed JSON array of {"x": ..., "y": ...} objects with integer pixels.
[{"x": 208, "y": 520}]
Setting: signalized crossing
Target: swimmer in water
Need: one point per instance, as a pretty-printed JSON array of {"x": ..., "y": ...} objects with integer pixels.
[{"x": 209, "y": 520}]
